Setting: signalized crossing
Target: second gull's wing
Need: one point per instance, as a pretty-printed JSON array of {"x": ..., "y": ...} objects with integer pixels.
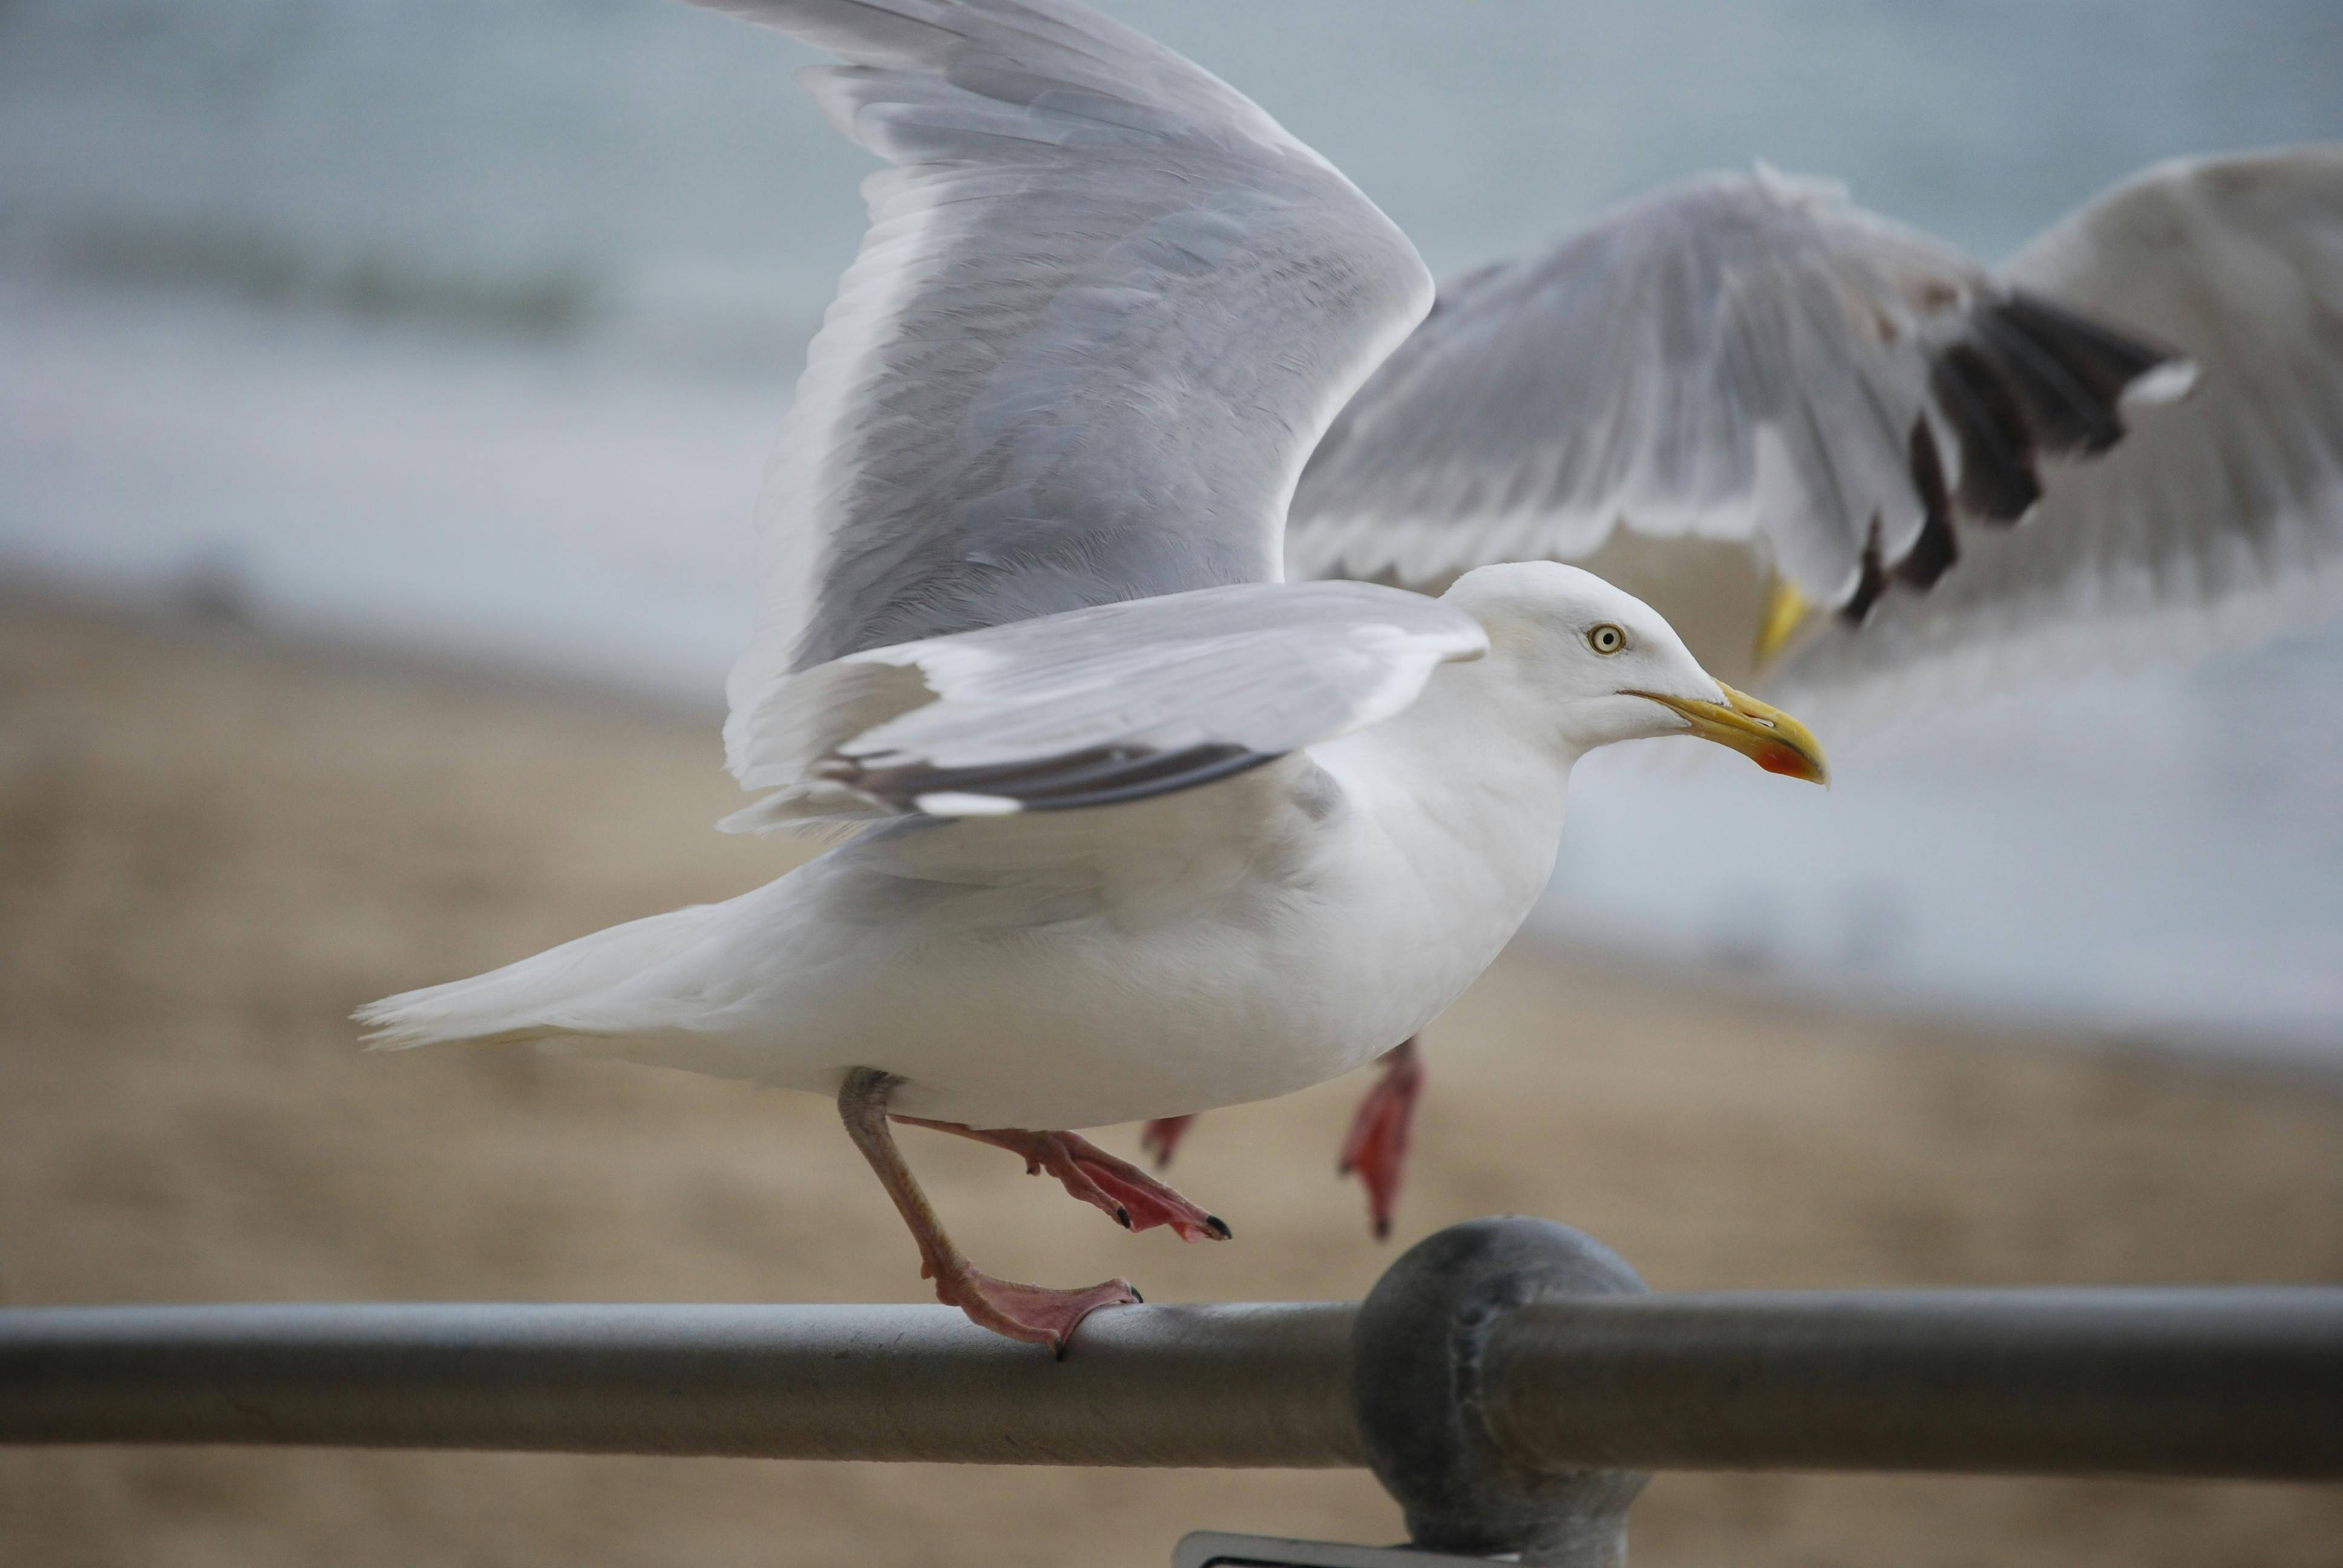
[
  {"x": 2218, "y": 522},
  {"x": 1751, "y": 362}
]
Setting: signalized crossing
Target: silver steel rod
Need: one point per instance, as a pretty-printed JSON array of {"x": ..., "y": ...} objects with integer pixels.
[
  {"x": 2211, "y": 1382},
  {"x": 2183, "y": 1381},
  {"x": 1220, "y": 1386}
]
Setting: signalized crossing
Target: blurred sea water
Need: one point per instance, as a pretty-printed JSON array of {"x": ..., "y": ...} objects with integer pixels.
[{"x": 465, "y": 327}]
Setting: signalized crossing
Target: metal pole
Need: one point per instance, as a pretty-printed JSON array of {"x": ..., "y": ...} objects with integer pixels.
[
  {"x": 2180, "y": 1382},
  {"x": 2209, "y": 1382},
  {"x": 1218, "y": 1386}
]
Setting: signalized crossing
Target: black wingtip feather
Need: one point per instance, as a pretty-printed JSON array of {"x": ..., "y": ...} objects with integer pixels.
[
  {"x": 1998, "y": 481},
  {"x": 1095, "y": 776},
  {"x": 2069, "y": 371},
  {"x": 1938, "y": 544},
  {"x": 1870, "y": 584},
  {"x": 2063, "y": 412},
  {"x": 2027, "y": 377},
  {"x": 2107, "y": 361}
]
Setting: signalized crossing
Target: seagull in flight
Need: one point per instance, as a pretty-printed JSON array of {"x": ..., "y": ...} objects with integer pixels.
[{"x": 1123, "y": 824}]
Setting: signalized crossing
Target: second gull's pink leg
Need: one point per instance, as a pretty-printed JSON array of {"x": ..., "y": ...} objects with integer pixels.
[
  {"x": 1162, "y": 1135},
  {"x": 1377, "y": 1146}
]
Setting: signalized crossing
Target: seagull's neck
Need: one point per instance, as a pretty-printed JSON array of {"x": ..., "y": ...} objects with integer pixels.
[
  {"x": 1482, "y": 721},
  {"x": 1466, "y": 788}
]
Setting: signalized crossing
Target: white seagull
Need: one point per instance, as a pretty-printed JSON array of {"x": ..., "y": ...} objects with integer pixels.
[
  {"x": 1858, "y": 472},
  {"x": 1132, "y": 828}
]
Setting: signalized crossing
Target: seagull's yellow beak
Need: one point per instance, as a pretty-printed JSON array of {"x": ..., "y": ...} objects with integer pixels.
[{"x": 1765, "y": 735}]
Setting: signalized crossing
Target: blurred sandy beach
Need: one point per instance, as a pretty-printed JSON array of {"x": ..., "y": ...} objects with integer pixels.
[{"x": 212, "y": 844}]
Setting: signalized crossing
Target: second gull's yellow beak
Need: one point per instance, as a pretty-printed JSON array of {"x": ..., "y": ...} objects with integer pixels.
[
  {"x": 1765, "y": 735},
  {"x": 1787, "y": 611}
]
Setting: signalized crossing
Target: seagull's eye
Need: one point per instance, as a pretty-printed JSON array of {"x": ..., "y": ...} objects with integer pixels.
[{"x": 1606, "y": 640}]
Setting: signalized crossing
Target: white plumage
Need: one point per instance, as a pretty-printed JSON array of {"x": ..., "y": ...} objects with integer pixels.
[
  {"x": 1132, "y": 828},
  {"x": 1403, "y": 768},
  {"x": 1126, "y": 826}
]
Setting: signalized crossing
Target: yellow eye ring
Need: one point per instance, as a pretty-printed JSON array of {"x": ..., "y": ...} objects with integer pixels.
[{"x": 1606, "y": 640}]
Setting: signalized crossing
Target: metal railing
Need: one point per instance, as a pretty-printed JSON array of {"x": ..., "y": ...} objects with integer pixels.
[
  {"x": 1507, "y": 1380},
  {"x": 1233, "y": 1386}
]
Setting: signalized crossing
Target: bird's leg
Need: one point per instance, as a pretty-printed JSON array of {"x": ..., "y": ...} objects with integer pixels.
[
  {"x": 1133, "y": 1199},
  {"x": 1377, "y": 1146},
  {"x": 1162, "y": 1135},
  {"x": 1034, "y": 1314}
]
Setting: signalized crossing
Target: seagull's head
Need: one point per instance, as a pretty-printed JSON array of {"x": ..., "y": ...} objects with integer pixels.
[{"x": 1603, "y": 667}]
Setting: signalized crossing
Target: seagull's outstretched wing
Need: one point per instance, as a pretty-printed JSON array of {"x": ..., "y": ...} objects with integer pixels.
[
  {"x": 2220, "y": 521},
  {"x": 1095, "y": 707},
  {"x": 1746, "y": 359},
  {"x": 1105, "y": 308}
]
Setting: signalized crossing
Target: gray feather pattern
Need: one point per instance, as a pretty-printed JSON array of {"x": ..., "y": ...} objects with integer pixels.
[
  {"x": 1734, "y": 358},
  {"x": 2218, "y": 522},
  {"x": 1104, "y": 310},
  {"x": 1746, "y": 359},
  {"x": 1260, "y": 670}
]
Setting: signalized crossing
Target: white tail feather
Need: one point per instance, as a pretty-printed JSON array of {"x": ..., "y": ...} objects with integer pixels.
[{"x": 580, "y": 988}]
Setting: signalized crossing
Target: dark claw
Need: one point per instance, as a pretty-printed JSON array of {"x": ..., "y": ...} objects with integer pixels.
[
  {"x": 1122, "y": 1217},
  {"x": 1136, "y": 1297},
  {"x": 1217, "y": 1226}
]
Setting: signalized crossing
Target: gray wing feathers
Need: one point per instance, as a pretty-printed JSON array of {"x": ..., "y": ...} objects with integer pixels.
[
  {"x": 2218, "y": 522},
  {"x": 1021, "y": 54},
  {"x": 1104, "y": 310},
  {"x": 1698, "y": 363},
  {"x": 1098, "y": 705},
  {"x": 1751, "y": 359}
]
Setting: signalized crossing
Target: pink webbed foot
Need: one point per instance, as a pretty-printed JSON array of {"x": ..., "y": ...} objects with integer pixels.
[
  {"x": 1033, "y": 1313},
  {"x": 1036, "y": 1315},
  {"x": 1128, "y": 1195},
  {"x": 1162, "y": 1135},
  {"x": 1377, "y": 1145}
]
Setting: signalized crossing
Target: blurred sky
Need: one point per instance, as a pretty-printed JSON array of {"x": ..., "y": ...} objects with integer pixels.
[{"x": 466, "y": 324}]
